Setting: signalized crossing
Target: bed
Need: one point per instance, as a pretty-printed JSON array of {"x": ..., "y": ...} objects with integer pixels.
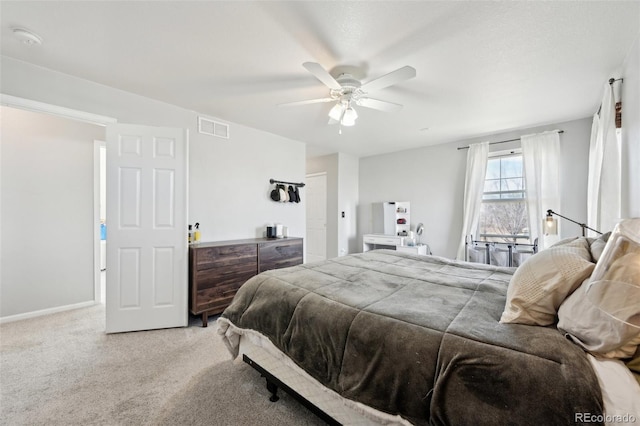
[{"x": 393, "y": 338}]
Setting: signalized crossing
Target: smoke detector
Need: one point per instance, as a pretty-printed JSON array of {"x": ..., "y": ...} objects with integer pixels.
[{"x": 27, "y": 37}]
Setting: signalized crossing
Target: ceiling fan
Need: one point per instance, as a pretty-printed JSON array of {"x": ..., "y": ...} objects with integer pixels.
[{"x": 347, "y": 91}]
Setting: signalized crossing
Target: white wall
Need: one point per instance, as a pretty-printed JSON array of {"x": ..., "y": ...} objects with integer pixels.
[
  {"x": 631, "y": 132},
  {"x": 230, "y": 189},
  {"x": 432, "y": 179},
  {"x": 47, "y": 211},
  {"x": 229, "y": 179}
]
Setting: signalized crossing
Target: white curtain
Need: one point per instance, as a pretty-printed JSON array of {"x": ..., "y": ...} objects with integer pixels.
[
  {"x": 473, "y": 189},
  {"x": 541, "y": 161},
  {"x": 604, "y": 180}
]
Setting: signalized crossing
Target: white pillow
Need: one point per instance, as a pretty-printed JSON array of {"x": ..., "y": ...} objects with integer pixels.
[{"x": 544, "y": 281}]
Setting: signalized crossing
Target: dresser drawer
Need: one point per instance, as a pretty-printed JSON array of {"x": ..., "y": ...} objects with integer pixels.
[
  {"x": 216, "y": 298},
  {"x": 220, "y": 276},
  {"x": 211, "y": 257},
  {"x": 217, "y": 306},
  {"x": 279, "y": 254}
]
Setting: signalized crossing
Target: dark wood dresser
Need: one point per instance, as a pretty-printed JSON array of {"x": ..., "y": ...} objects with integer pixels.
[{"x": 218, "y": 269}]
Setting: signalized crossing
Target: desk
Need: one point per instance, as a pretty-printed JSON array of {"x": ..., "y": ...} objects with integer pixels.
[
  {"x": 391, "y": 242},
  {"x": 381, "y": 241}
]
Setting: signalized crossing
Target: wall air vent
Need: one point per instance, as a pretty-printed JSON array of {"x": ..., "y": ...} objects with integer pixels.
[{"x": 213, "y": 128}]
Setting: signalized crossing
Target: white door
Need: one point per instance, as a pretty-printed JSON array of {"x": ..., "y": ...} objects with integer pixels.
[
  {"x": 316, "y": 202},
  {"x": 147, "y": 230}
]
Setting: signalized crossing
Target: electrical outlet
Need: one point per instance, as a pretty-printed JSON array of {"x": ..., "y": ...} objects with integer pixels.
[{"x": 343, "y": 215}]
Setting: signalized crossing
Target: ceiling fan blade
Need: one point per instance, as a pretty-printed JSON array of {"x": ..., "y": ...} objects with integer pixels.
[
  {"x": 401, "y": 74},
  {"x": 379, "y": 105},
  {"x": 322, "y": 75},
  {"x": 307, "y": 102}
]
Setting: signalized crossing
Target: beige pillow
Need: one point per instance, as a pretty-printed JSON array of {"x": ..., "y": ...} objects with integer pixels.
[
  {"x": 544, "y": 281},
  {"x": 597, "y": 245},
  {"x": 594, "y": 330},
  {"x": 583, "y": 317}
]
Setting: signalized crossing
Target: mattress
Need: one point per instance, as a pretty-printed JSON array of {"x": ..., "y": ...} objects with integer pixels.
[{"x": 620, "y": 390}]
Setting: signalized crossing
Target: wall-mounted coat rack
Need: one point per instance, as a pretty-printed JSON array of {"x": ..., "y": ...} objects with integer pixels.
[
  {"x": 285, "y": 191},
  {"x": 300, "y": 185}
]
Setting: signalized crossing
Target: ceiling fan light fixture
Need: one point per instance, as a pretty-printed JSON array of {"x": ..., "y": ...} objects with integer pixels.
[
  {"x": 336, "y": 112},
  {"x": 346, "y": 90},
  {"x": 349, "y": 117}
]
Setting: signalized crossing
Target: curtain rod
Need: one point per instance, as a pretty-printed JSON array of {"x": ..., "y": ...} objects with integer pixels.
[
  {"x": 611, "y": 81},
  {"x": 494, "y": 143}
]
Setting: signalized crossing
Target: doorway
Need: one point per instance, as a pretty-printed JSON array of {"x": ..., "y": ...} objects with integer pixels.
[
  {"x": 316, "y": 193},
  {"x": 100, "y": 219},
  {"x": 48, "y": 226}
]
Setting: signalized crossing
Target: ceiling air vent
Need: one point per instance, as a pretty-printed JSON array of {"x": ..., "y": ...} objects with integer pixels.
[{"x": 213, "y": 128}]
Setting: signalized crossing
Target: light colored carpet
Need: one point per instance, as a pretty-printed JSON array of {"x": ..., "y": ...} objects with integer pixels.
[{"x": 63, "y": 369}]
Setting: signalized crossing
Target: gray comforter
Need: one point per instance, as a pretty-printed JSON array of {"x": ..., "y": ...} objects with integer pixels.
[{"x": 419, "y": 336}]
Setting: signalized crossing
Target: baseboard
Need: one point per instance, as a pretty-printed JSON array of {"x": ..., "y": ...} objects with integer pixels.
[{"x": 34, "y": 314}]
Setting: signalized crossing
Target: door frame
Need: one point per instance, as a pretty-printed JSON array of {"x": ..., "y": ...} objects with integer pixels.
[
  {"x": 77, "y": 115},
  {"x": 73, "y": 114},
  {"x": 318, "y": 174},
  {"x": 97, "y": 252}
]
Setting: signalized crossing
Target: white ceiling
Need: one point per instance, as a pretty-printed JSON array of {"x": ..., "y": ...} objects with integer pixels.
[{"x": 482, "y": 67}]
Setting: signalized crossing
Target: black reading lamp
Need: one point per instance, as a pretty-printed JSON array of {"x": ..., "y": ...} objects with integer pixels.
[{"x": 551, "y": 224}]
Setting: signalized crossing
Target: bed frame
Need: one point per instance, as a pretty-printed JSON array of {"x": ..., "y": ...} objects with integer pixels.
[{"x": 273, "y": 384}]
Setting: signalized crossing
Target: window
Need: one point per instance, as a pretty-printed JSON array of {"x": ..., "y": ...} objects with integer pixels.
[{"x": 503, "y": 214}]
